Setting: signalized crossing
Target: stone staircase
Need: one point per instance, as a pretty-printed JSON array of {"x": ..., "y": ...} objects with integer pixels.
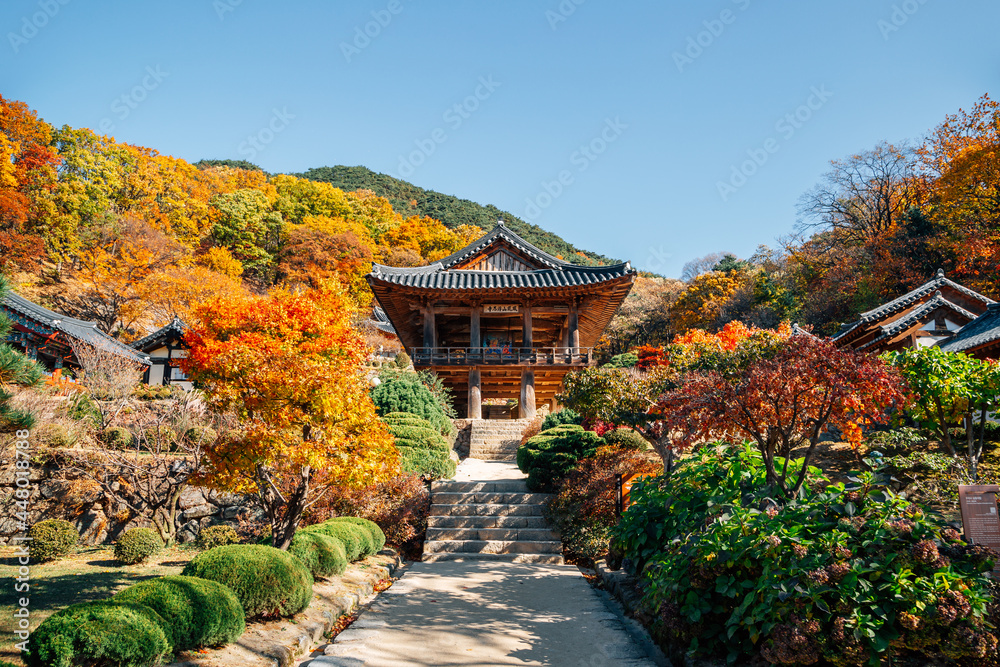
[
  {"x": 496, "y": 439},
  {"x": 490, "y": 520}
]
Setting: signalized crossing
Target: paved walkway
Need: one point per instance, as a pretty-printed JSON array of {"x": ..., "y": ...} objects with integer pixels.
[{"x": 485, "y": 613}]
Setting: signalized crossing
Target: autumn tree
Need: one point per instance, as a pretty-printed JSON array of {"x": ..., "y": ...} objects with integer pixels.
[
  {"x": 108, "y": 376},
  {"x": 289, "y": 368},
  {"x": 643, "y": 318},
  {"x": 780, "y": 393},
  {"x": 245, "y": 224}
]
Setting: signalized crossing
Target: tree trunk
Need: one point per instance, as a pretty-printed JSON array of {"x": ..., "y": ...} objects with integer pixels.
[
  {"x": 945, "y": 431},
  {"x": 285, "y": 523}
]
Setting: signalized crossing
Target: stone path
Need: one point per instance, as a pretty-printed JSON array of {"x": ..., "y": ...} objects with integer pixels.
[{"x": 484, "y": 613}]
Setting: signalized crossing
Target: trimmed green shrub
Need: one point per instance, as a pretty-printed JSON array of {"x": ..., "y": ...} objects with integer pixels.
[
  {"x": 897, "y": 442},
  {"x": 354, "y": 538},
  {"x": 323, "y": 555},
  {"x": 378, "y": 537},
  {"x": 404, "y": 392},
  {"x": 99, "y": 633},
  {"x": 136, "y": 545},
  {"x": 117, "y": 437},
  {"x": 564, "y": 416},
  {"x": 418, "y": 436},
  {"x": 51, "y": 539},
  {"x": 428, "y": 463},
  {"x": 624, "y": 360},
  {"x": 547, "y": 457},
  {"x": 402, "y": 418},
  {"x": 198, "y": 612},
  {"x": 200, "y": 435},
  {"x": 626, "y": 438},
  {"x": 217, "y": 536},
  {"x": 268, "y": 582},
  {"x": 402, "y": 360}
]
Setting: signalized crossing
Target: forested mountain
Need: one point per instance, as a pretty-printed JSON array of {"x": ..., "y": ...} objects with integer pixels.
[{"x": 409, "y": 199}]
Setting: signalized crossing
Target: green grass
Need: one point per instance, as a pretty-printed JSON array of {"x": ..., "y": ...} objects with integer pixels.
[{"x": 88, "y": 574}]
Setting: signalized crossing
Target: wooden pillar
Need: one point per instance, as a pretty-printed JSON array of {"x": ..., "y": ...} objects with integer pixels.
[
  {"x": 430, "y": 330},
  {"x": 526, "y": 406},
  {"x": 573, "y": 328},
  {"x": 526, "y": 328},
  {"x": 475, "y": 335},
  {"x": 475, "y": 394}
]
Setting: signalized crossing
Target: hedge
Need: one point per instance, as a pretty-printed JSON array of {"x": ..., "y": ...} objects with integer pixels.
[
  {"x": 52, "y": 538},
  {"x": 198, "y": 612},
  {"x": 323, "y": 555},
  {"x": 354, "y": 538},
  {"x": 217, "y": 536},
  {"x": 108, "y": 632},
  {"x": 428, "y": 463},
  {"x": 378, "y": 536},
  {"x": 268, "y": 582},
  {"x": 626, "y": 438},
  {"x": 550, "y": 455},
  {"x": 406, "y": 393}
]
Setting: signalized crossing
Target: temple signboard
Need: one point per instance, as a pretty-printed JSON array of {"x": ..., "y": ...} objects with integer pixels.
[
  {"x": 979, "y": 516},
  {"x": 498, "y": 308}
]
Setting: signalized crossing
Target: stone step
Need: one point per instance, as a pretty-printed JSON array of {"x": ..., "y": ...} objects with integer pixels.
[
  {"x": 483, "y": 521},
  {"x": 503, "y": 534},
  {"x": 477, "y": 509},
  {"x": 507, "y": 486},
  {"x": 492, "y": 547},
  {"x": 550, "y": 559},
  {"x": 493, "y": 457},
  {"x": 487, "y": 498}
]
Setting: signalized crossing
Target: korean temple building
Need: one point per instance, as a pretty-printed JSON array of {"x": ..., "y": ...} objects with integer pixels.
[
  {"x": 48, "y": 336},
  {"x": 500, "y": 318},
  {"x": 939, "y": 312}
]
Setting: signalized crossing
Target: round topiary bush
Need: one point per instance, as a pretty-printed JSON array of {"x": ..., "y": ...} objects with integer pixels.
[
  {"x": 217, "y": 536},
  {"x": 354, "y": 538},
  {"x": 323, "y": 555},
  {"x": 373, "y": 528},
  {"x": 428, "y": 463},
  {"x": 99, "y": 633},
  {"x": 52, "y": 538},
  {"x": 198, "y": 612},
  {"x": 404, "y": 392},
  {"x": 117, "y": 437},
  {"x": 268, "y": 582},
  {"x": 200, "y": 435},
  {"x": 551, "y": 454},
  {"x": 136, "y": 545},
  {"x": 626, "y": 438},
  {"x": 564, "y": 416}
]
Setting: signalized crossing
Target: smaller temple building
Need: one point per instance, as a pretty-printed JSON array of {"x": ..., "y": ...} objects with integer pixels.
[
  {"x": 165, "y": 347},
  {"x": 931, "y": 314},
  {"x": 501, "y": 318}
]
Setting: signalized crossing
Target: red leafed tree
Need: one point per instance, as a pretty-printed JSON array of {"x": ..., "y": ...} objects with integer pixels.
[
  {"x": 782, "y": 396},
  {"x": 289, "y": 368}
]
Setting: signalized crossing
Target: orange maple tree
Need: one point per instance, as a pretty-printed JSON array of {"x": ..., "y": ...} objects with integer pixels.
[{"x": 289, "y": 367}]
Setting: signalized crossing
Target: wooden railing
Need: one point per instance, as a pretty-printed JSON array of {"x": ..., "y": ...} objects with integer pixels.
[{"x": 527, "y": 356}]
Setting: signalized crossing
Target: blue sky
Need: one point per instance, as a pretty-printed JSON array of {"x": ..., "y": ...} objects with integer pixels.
[{"x": 617, "y": 125}]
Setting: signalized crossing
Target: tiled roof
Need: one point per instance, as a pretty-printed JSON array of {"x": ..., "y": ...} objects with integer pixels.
[
  {"x": 72, "y": 327},
  {"x": 175, "y": 327},
  {"x": 499, "y": 232},
  {"x": 557, "y": 274},
  {"x": 984, "y": 329},
  {"x": 894, "y": 306},
  {"x": 380, "y": 321},
  {"x": 902, "y": 324}
]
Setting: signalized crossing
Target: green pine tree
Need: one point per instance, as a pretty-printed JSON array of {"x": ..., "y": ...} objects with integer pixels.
[{"x": 15, "y": 370}]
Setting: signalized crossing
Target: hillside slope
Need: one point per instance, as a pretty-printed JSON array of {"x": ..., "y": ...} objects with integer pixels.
[{"x": 409, "y": 199}]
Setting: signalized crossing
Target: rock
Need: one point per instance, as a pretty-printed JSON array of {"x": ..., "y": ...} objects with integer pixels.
[
  {"x": 231, "y": 512},
  {"x": 191, "y": 496},
  {"x": 49, "y": 488},
  {"x": 93, "y": 527},
  {"x": 189, "y": 532},
  {"x": 198, "y": 512}
]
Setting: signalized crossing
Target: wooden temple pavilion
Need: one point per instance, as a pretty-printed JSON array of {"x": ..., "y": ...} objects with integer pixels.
[
  {"x": 500, "y": 318},
  {"x": 928, "y": 315}
]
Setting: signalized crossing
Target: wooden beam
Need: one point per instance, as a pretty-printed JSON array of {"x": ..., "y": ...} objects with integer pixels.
[{"x": 526, "y": 328}]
